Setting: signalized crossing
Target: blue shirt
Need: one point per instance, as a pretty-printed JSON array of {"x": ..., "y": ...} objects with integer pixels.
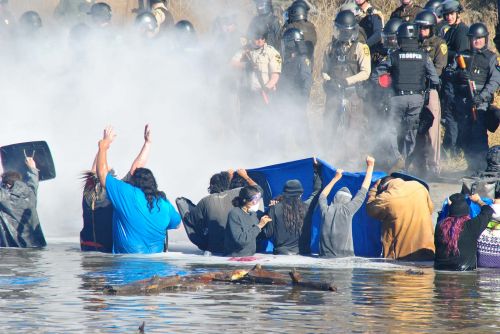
[{"x": 136, "y": 229}]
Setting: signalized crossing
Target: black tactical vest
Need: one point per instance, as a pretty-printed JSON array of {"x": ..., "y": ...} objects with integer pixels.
[
  {"x": 478, "y": 65},
  {"x": 408, "y": 70},
  {"x": 342, "y": 64}
]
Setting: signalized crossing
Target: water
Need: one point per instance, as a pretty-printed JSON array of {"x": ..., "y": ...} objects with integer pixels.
[{"x": 56, "y": 290}]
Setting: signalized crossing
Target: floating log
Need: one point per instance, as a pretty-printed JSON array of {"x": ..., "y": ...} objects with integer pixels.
[
  {"x": 322, "y": 286},
  {"x": 256, "y": 275}
]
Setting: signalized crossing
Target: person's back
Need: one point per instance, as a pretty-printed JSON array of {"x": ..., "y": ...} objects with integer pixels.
[
  {"x": 214, "y": 209},
  {"x": 405, "y": 210},
  {"x": 137, "y": 228},
  {"x": 19, "y": 224},
  {"x": 457, "y": 235}
]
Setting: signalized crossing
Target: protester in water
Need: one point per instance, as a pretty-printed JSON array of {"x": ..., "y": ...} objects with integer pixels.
[
  {"x": 488, "y": 244},
  {"x": 243, "y": 223},
  {"x": 142, "y": 213},
  {"x": 97, "y": 232},
  {"x": 288, "y": 227},
  {"x": 336, "y": 218},
  {"x": 19, "y": 223},
  {"x": 405, "y": 209},
  {"x": 457, "y": 235},
  {"x": 212, "y": 210}
]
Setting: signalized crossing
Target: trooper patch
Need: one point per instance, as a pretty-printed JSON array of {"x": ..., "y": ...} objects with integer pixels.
[
  {"x": 444, "y": 48},
  {"x": 366, "y": 50}
]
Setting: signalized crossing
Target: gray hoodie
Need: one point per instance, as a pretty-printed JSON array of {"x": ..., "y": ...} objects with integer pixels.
[
  {"x": 19, "y": 224},
  {"x": 336, "y": 218}
]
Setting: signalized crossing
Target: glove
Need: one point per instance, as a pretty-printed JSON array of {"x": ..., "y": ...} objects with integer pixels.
[
  {"x": 341, "y": 83},
  {"x": 463, "y": 77},
  {"x": 477, "y": 100}
]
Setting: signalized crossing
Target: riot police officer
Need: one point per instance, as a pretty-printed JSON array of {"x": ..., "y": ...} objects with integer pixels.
[
  {"x": 496, "y": 40},
  {"x": 407, "y": 11},
  {"x": 30, "y": 23},
  {"x": 164, "y": 18},
  {"x": 297, "y": 17},
  {"x": 436, "y": 7},
  {"x": 435, "y": 46},
  {"x": 409, "y": 67},
  {"x": 100, "y": 13},
  {"x": 371, "y": 20},
  {"x": 457, "y": 41},
  {"x": 146, "y": 25},
  {"x": 481, "y": 72},
  {"x": 295, "y": 87},
  {"x": 185, "y": 35},
  {"x": 346, "y": 64},
  {"x": 266, "y": 20}
]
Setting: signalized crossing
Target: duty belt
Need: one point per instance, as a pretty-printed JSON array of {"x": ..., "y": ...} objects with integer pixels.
[{"x": 409, "y": 92}]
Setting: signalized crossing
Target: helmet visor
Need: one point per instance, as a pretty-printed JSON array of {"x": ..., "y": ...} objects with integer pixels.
[
  {"x": 389, "y": 41},
  {"x": 345, "y": 34}
]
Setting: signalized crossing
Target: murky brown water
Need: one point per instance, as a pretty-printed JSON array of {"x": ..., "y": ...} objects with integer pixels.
[{"x": 48, "y": 292}]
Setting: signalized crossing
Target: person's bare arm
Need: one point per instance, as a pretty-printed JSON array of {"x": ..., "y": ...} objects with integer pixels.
[
  {"x": 94, "y": 164},
  {"x": 329, "y": 186},
  {"x": 273, "y": 81},
  {"x": 102, "y": 158},
  {"x": 243, "y": 173},
  {"x": 370, "y": 164},
  {"x": 143, "y": 156}
]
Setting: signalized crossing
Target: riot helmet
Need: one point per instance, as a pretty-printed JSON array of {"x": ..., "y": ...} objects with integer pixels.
[
  {"x": 301, "y": 3},
  {"x": 426, "y": 19},
  {"x": 407, "y": 31},
  {"x": 100, "y": 12},
  {"x": 476, "y": 31},
  {"x": 291, "y": 42},
  {"x": 346, "y": 27},
  {"x": 264, "y": 7},
  {"x": 297, "y": 13},
  {"x": 185, "y": 26},
  {"x": 146, "y": 24},
  {"x": 30, "y": 22},
  {"x": 451, "y": 6},
  {"x": 389, "y": 33},
  {"x": 435, "y": 6},
  {"x": 185, "y": 33}
]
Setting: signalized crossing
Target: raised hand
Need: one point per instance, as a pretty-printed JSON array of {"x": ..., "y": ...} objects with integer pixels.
[
  {"x": 370, "y": 161},
  {"x": 147, "y": 134},
  {"x": 339, "y": 173}
]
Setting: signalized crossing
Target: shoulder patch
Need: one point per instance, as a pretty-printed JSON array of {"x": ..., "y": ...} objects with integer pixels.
[
  {"x": 444, "y": 48},
  {"x": 307, "y": 62},
  {"x": 498, "y": 64},
  {"x": 366, "y": 50},
  {"x": 278, "y": 58}
]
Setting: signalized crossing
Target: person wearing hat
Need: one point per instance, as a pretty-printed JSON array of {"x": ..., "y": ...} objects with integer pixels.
[
  {"x": 488, "y": 244},
  {"x": 457, "y": 235},
  {"x": 289, "y": 229},
  {"x": 336, "y": 218},
  {"x": 297, "y": 17},
  {"x": 404, "y": 209},
  {"x": 265, "y": 19}
]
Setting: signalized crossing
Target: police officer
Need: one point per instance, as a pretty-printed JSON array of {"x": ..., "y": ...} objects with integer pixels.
[
  {"x": 457, "y": 41},
  {"x": 346, "y": 64},
  {"x": 146, "y": 25},
  {"x": 185, "y": 35},
  {"x": 262, "y": 68},
  {"x": 372, "y": 21},
  {"x": 482, "y": 69},
  {"x": 163, "y": 16},
  {"x": 100, "y": 13},
  {"x": 297, "y": 17},
  {"x": 266, "y": 20},
  {"x": 436, "y": 48},
  {"x": 436, "y": 7},
  {"x": 496, "y": 40},
  {"x": 354, "y": 8},
  {"x": 409, "y": 67},
  {"x": 407, "y": 11},
  {"x": 295, "y": 86}
]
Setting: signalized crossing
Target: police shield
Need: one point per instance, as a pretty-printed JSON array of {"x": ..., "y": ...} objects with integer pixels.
[{"x": 14, "y": 158}]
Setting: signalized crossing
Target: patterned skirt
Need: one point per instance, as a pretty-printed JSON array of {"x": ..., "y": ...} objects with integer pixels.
[{"x": 488, "y": 249}]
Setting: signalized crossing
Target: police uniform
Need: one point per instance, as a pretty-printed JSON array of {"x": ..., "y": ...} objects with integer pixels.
[
  {"x": 372, "y": 21},
  {"x": 431, "y": 141},
  {"x": 309, "y": 31},
  {"x": 351, "y": 63},
  {"x": 484, "y": 69},
  {"x": 409, "y": 69},
  {"x": 457, "y": 41},
  {"x": 271, "y": 24},
  {"x": 163, "y": 16},
  {"x": 406, "y": 13}
]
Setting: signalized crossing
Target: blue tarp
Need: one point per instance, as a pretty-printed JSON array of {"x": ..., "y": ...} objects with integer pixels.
[
  {"x": 366, "y": 231},
  {"x": 474, "y": 209}
]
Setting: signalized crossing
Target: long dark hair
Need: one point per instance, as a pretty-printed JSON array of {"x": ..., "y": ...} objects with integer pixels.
[
  {"x": 451, "y": 228},
  {"x": 9, "y": 178},
  {"x": 294, "y": 212},
  {"x": 218, "y": 183},
  {"x": 143, "y": 179},
  {"x": 247, "y": 194}
]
